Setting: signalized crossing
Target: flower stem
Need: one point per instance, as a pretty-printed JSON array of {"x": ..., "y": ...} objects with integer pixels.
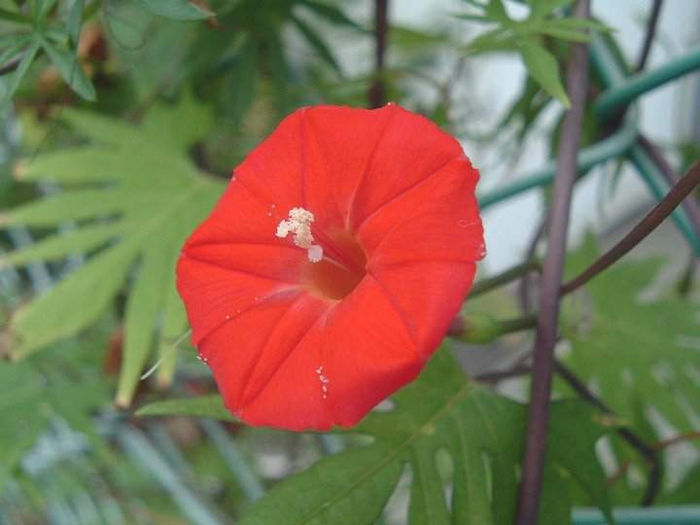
[
  {"x": 477, "y": 327},
  {"x": 649, "y": 35},
  {"x": 381, "y": 24},
  {"x": 543, "y": 364},
  {"x": 691, "y": 206},
  {"x": 509, "y": 275}
]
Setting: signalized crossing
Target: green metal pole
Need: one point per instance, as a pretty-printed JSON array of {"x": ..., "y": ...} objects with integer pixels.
[
  {"x": 677, "y": 515},
  {"x": 614, "y": 146},
  {"x": 625, "y": 91},
  {"x": 613, "y": 76}
]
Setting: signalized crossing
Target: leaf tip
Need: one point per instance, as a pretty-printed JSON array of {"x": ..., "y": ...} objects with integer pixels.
[
  {"x": 19, "y": 171},
  {"x": 122, "y": 401}
]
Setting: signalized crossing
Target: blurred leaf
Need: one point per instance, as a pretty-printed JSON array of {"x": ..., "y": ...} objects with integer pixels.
[
  {"x": 526, "y": 37},
  {"x": 642, "y": 357},
  {"x": 204, "y": 406},
  {"x": 171, "y": 332},
  {"x": 494, "y": 41},
  {"x": 16, "y": 77},
  {"x": 637, "y": 351},
  {"x": 41, "y": 10},
  {"x": 541, "y": 8},
  {"x": 70, "y": 69},
  {"x": 75, "y": 19},
  {"x": 543, "y": 67},
  {"x": 240, "y": 82},
  {"x": 331, "y": 13},
  {"x": 11, "y": 15},
  {"x": 482, "y": 433},
  {"x": 414, "y": 39},
  {"x": 316, "y": 42},
  {"x": 154, "y": 197},
  {"x": 184, "y": 10},
  {"x": 30, "y": 400},
  {"x": 496, "y": 11}
]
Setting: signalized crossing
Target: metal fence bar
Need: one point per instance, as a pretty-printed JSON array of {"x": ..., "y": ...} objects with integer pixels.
[
  {"x": 614, "y": 146},
  {"x": 625, "y": 91},
  {"x": 612, "y": 74},
  {"x": 671, "y": 515}
]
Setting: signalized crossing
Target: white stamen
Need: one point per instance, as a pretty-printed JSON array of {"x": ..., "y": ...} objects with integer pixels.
[
  {"x": 299, "y": 224},
  {"x": 315, "y": 253}
]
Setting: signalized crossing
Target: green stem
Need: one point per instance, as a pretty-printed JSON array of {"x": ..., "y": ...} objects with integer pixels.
[
  {"x": 510, "y": 275},
  {"x": 481, "y": 328}
]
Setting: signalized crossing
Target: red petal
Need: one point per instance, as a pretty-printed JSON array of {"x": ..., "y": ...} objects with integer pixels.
[
  {"x": 435, "y": 220},
  {"x": 361, "y": 344},
  {"x": 233, "y": 261}
]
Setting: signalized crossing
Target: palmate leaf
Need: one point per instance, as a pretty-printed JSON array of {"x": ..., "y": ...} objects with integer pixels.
[
  {"x": 642, "y": 358},
  {"x": 137, "y": 196},
  {"x": 482, "y": 434},
  {"x": 638, "y": 353}
]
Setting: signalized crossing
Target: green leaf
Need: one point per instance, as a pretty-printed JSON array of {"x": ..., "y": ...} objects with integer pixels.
[
  {"x": 75, "y": 20},
  {"x": 317, "y": 43},
  {"x": 204, "y": 406},
  {"x": 572, "y": 29},
  {"x": 638, "y": 352},
  {"x": 70, "y": 69},
  {"x": 495, "y": 40},
  {"x": 542, "y": 8},
  {"x": 11, "y": 15},
  {"x": 57, "y": 247},
  {"x": 63, "y": 206},
  {"x": 152, "y": 197},
  {"x": 642, "y": 357},
  {"x": 15, "y": 79},
  {"x": 482, "y": 434},
  {"x": 331, "y": 13},
  {"x": 74, "y": 303},
  {"x": 41, "y": 9},
  {"x": 239, "y": 94},
  {"x": 496, "y": 11},
  {"x": 172, "y": 332},
  {"x": 543, "y": 67},
  {"x": 143, "y": 305},
  {"x": 177, "y": 9},
  {"x": 30, "y": 399}
]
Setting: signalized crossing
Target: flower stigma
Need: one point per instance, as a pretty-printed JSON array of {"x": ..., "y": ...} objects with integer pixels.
[{"x": 299, "y": 223}]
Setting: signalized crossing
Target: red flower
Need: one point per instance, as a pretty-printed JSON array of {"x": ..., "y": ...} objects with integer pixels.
[{"x": 386, "y": 201}]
